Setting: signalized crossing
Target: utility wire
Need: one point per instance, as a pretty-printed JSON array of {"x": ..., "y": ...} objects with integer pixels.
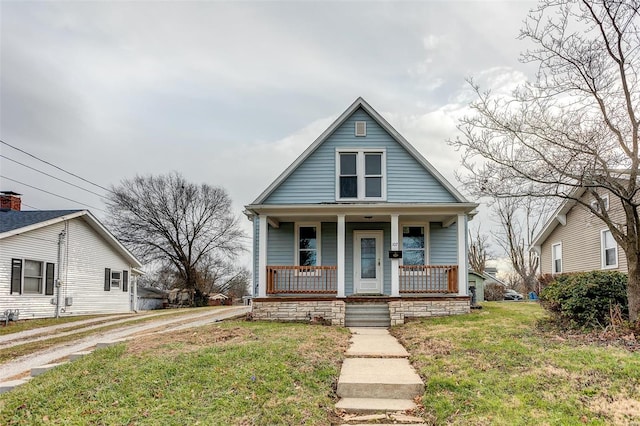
[
  {"x": 51, "y": 176},
  {"x": 53, "y": 165},
  {"x": 25, "y": 204},
  {"x": 51, "y": 193}
]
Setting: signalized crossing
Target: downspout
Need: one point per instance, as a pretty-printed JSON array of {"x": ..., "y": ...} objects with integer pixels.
[{"x": 58, "y": 281}]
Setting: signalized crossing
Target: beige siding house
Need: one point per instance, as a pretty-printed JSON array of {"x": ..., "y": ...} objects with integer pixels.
[{"x": 575, "y": 240}]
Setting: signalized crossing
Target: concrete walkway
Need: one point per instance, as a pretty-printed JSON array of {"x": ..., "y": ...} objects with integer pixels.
[{"x": 377, "y": 377}]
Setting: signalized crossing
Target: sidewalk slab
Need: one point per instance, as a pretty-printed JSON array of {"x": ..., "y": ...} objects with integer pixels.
[
  {"x": 374, "y": 405},
  {"x": 36, "y": 371},
  {"x": 12, "y": 384},
  {"x": 374, "y": 342},
  {"x": 391, "y": 378},
  {"x": 77, "y": 355}
]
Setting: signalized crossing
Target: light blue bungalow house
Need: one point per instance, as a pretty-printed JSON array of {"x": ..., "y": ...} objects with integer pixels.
[{"x": 360, "y": 230}]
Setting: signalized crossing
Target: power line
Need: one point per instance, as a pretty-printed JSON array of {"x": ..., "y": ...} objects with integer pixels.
[
  {"x": 25, "y": 204},
  {"x": 53, "y": 165},
  {"x": 51, "y": 176},
  {"x": 51, "y": 193}
]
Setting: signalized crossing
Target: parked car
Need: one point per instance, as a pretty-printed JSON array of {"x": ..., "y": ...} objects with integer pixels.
[{"x": 511, "y": 294}]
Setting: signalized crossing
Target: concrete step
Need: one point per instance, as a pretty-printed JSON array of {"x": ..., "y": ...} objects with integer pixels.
[
  {"x": 12, "y": 384},
  {"x": 367, "y": 315},
  {"x": 394, "y": 378},
  {"x": 374, "y": 405}
]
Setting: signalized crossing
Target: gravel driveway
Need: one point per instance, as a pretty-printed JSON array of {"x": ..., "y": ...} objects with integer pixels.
[{"x": 24, "y": 364}]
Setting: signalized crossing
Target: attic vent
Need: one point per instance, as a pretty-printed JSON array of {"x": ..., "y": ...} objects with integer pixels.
[{"x": 361, "y": 128}]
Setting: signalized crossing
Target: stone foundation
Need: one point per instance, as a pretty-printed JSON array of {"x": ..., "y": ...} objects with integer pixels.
[
  {"x": 299, "y": 310},
  {"x": 400, "y": 310}
]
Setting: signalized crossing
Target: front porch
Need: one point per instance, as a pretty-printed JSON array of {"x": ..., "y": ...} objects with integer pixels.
[{"x": 412, "y": 280}]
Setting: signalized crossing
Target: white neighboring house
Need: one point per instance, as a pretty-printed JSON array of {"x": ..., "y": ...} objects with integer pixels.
[{"x": 61, "y": 263}]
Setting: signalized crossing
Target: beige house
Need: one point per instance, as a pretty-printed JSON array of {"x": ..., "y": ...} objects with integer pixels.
[{"x": 575, "y": 240}]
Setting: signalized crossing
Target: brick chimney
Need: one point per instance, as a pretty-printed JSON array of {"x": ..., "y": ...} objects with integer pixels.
[{"x": 10, "y": 200}]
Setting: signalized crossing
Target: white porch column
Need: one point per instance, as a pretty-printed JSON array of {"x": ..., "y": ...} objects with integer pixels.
[
  {"x": 395, "y": 263},
  {"x": 341, "y": 253},
  {"x": 462, "y": 255},
  {"x": 262, "y": 256}
]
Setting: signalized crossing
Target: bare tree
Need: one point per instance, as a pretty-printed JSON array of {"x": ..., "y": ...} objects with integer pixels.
[
  {"x": 478, "y": 251},
  {"x": 167, "y": 219},
  {"x": 576, "y": 127},
  {"x": 521, "y": 219}
]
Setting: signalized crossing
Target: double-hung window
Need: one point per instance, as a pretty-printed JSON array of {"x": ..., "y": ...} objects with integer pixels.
[
  {"x": 413, "y": 245},
  {"x": 609, "y": 250},
  {"x": 32, "y": 277},
  {"x": 556, "y": 258},
  {"x": 361, "y": 175},
  {"x": 308, "y": 244}
]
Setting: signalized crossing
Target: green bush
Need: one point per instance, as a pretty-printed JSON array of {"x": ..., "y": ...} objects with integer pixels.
[{"x": 584, "y": 300}]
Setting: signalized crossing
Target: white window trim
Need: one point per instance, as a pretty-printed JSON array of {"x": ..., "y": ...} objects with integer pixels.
[
  {"x": 553, "y": 260},
  {"x": 43, "y": 277},
  {"x": 360, "y": 170},
  {"x": 603, "y": 258},
  {"x": 318, "y": 246},
  {"x": 113, "y": 279},
  {"x": 425, "y": 225}
]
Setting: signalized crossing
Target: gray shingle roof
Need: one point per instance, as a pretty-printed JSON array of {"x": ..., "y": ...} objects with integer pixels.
[{"x": 12, "y": 219}]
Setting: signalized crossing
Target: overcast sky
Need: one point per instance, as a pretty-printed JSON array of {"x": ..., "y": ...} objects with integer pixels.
[{"x": 230, "y": 93}]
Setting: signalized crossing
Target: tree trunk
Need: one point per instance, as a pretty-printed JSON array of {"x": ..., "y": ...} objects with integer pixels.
[{"x": 633, "y": 285}]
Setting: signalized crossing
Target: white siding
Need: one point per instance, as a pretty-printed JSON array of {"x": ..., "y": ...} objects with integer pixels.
[{"x": 85, "y": 256}]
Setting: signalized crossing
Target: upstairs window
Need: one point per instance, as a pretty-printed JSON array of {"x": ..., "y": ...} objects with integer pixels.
[
  {"x": 605, "y": 200},
  {"x": 361, "y": 175}
]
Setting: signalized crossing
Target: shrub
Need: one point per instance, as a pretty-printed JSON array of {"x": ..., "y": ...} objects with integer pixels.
[
  {"x": 493, "y": 292},
  {"x": 584, "y": 300}
]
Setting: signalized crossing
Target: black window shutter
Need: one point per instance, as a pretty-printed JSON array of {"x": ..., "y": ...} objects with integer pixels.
[
  {"x": 125, "y": 280},
  {"x": 107, "y": 279},
  {"x": 49, "y": 279},
  {"x": 16, "y": 276}
]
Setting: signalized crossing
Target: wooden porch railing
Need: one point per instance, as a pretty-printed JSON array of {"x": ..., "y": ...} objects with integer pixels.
[
  {"x": 302, "y": 279},
  {"x": 428, "y": 278}
]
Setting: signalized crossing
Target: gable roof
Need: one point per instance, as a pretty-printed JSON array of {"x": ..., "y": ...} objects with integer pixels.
[
  {"x": 13, "y": 222},
  {"x": 559, "y": 217},
  {"x": 360, "y": 103}
]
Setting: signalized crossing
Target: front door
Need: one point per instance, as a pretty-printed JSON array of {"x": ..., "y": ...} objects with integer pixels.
[{"x": 367, "y": 262}]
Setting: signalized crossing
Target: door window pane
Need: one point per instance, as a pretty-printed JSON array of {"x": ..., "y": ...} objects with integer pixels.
[{"x": 368, "y": 258}]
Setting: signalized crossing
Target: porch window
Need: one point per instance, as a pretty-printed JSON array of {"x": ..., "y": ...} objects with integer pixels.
[
  {"x": 308, "y": 245},
  {"x": 556, "y": 258},
  {"x": 413, "y": 245},
  {"x": 360, "y": 175},
  {"x": 609, "y": 250}
]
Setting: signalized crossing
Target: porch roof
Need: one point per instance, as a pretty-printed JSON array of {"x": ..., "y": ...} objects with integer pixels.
[{"x": 373, "y": 212}]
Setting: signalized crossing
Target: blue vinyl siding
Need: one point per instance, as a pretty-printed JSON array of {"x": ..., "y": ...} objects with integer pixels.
[
  {"x": 281, "y": 245},
  {"x": 329, "y": 243},
  {"x": 314, "y": 180},
  {"x": 443, "y": 244}
]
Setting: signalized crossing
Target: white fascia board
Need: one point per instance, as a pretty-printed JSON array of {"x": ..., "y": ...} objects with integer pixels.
[
  {"x": 43, "y": 224},
  {"x": 362, "y": 208}
]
